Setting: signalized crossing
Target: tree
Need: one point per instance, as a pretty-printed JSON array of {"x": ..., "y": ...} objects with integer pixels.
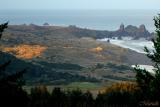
[
  {"x": 39, "y": 97},
  {"x": 11, "y": 92},
  {"x": 149, "y": 82},
  {"x": 58, "y": 98},
  {"x": 2, "y": 27}
]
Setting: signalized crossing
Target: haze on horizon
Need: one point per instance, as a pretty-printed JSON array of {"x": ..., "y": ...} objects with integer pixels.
[{"x": 79, "y": 4}]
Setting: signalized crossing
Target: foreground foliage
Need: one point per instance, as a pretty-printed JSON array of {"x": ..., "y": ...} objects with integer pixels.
[{"x": 147, "y": 81}]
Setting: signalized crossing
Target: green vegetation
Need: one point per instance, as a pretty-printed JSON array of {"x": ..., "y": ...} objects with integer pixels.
[
  {"x": 117, "y": 78},
  {"x": 64, "y": 66},
  {"x": 114, "y": 67},
  {"x": 83, "y": 85}
]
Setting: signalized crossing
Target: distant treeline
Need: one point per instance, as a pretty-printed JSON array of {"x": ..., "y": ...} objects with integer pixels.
[{"x": 118, "y": 95}]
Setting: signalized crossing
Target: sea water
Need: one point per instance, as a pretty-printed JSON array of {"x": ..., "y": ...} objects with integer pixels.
[{"x": 92, "y": 19}]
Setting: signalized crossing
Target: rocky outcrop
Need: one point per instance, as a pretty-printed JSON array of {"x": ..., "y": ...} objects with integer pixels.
[
  {"x": 46, "y": 24},
  {"x": 131, "y": 31},
  {"x": 121, "y": 27},
  {"x": 142, "y": 28}
]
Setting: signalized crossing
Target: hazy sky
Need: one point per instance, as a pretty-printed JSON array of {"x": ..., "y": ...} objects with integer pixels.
[{"x": 79, "y": 4}]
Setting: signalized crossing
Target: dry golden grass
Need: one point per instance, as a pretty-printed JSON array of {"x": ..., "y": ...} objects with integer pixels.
[
  {"x": 25, "y": 51},
  {"x": 97, "y": 49}
]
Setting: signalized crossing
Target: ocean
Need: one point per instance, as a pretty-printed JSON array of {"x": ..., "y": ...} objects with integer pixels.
[{"x": 91, "y": 19}]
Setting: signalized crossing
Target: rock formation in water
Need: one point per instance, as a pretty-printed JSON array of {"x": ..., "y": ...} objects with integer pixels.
[{"x": 131, "y": 31}]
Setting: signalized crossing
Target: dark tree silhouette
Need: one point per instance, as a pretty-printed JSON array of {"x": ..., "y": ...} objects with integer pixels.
[
  {"x": 39, "y": 97},
  {"x": 58, "y": 98},
  {"x": 11, "y": 92},
  {"x": 2, "y": 27}
]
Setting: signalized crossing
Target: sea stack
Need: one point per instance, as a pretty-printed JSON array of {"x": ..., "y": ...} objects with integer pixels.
[
  {"x": 142, "y": 28},
  {"x": 121, "y": 27}
]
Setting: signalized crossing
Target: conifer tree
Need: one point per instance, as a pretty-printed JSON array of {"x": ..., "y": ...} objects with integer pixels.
[{"x": 147, "y": 81}]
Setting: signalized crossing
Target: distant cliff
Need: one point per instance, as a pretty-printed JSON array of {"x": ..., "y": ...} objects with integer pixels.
[{"x": 73, "y": 31}]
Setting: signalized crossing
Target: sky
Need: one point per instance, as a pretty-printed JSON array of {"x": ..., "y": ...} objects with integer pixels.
[{"x": 79, "y": 4}]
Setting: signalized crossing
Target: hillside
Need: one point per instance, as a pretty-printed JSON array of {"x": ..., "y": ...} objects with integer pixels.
[
  {"x": 70, "y": 31},
  {"x": 62, "y": 56}
]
